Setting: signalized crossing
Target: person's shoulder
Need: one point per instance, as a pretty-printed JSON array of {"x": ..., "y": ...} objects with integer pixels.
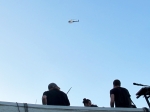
[
  {"x": 113, "y": 89},
  {"x": 62, "y": 92},
  {"x": 94, "y": 105},
  {"x": 45, "y": 93},
  {"x": 124, "y": 88}
]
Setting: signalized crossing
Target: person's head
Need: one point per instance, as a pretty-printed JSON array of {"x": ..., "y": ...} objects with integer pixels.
[
  {"x": 53, "y": 86},
  {"x": 87, "y": 102},
  {"x": 116, "y": 83}
]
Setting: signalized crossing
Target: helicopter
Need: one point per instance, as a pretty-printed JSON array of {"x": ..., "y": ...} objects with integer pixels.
[{"x": 72, "y": 20}]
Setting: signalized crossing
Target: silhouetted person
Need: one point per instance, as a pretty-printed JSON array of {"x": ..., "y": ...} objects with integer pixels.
[
  {"x": 88, "y": 103},
  {"x": 119, "y": 96},
  {"x": 54, "y": 96}
]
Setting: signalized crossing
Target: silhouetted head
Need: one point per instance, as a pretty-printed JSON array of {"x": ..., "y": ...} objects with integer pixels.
[
  {"x": 87, "y": 102},
  {"x": 116, "y": 83},
  {"x": 53, "y": 86}
]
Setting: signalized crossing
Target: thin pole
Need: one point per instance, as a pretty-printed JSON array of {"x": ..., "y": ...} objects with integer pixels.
[{"x": 69, "y": 90}]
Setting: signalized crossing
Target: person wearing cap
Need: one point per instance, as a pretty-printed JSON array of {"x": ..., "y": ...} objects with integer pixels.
[
  {"x": 119, "y": 96},
  {"x": 54, "y": 96}
]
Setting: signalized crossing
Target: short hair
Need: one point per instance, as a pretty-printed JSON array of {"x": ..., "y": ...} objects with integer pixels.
[{"x": 117, "y": 82}]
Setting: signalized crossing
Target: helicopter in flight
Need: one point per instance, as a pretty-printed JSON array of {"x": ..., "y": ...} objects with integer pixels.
[{"x": 72, "y": 21}]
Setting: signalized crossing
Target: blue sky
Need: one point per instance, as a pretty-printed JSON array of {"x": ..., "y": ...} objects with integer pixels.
[{"x": 38, "y": 46}]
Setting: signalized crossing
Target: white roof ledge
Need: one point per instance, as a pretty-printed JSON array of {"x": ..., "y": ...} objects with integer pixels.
[{"x": 12, "y": 107}]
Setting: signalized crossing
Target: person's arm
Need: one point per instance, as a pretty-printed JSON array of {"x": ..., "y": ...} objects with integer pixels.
[
  {"x": 112, "y": 100},
  {"x": 44, "y": 100},
  {"x": 67, "y": 101},
  {"x": 129, "y": 96}
]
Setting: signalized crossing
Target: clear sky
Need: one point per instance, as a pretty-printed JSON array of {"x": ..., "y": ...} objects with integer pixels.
[{"x": 38, "y": 46}]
